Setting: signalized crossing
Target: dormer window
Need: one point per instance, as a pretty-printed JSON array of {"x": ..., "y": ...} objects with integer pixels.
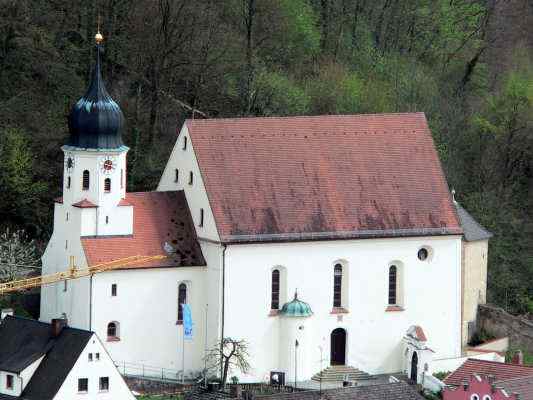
[
  {"x": 107, "y": 185},
  {"x": 85, "y": 181}
]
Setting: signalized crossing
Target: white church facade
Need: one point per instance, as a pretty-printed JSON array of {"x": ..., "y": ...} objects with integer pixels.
[{"x": 351, "y": 212}]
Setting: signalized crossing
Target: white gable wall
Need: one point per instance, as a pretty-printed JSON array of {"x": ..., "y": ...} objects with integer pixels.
[
  {"x": 185, "y": 161},
  {"x": 431, "y": 292},
  {"x": 93, "y": 370},
  {"x": 27, "y": 373}
]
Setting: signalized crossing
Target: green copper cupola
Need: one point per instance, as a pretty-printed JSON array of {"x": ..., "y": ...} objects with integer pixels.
[{"x": 296, "y": 308}]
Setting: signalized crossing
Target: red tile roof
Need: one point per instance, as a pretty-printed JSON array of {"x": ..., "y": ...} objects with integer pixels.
[
  {"x": 158, "y": 218},
  {"x": 84, "y": 204},
  {"x": 500, "y": 371},
  {"x": 299, "y": 178}
]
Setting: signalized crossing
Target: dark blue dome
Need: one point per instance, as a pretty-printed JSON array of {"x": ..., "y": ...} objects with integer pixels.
[{"x": 96, "y": 120}]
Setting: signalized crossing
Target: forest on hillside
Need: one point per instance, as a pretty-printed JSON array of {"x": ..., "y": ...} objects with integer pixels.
[{"x": 465, "y": 63}]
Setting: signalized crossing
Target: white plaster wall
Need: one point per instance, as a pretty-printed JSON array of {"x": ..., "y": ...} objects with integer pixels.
[
  {"x": 185, "y": 161},
  {"x": 27, "y": 373},
  {"x": 475, "y": 281},
  {"x": 146, "y": 308},
  {"x": 93, "y": 370},
  {"x": 431, "y": 298}
]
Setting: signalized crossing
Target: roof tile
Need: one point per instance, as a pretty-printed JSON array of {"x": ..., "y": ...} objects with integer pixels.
[{"x": 500, "y": 371}]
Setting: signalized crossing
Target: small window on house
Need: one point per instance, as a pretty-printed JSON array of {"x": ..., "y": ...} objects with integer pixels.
[
  {"x": 274, "y": 304},
  {"x": 90, "y": 357},
  {"x": 393, "y": 285},
  {"x": 97, "y": 356},
  {"x": 104, "y": 383},
  {"x": 337, "y": 285},
  {"x": 107, "y": 185},
  {"x": 201, "y": 217},
  {"x": 65, "y": 286},
  {"x": 86, "y": 181},
  {"x": 423, "y": 254},
  {"x": 114, "y": 289},
  {"x": 176, "y": 175},
  {"x": 487, "y": 397},
  {"x": 107, "y": 219},
  {"x": 83, "y": 385},
  {"x": 185, "y": 143},
  {"x": 66, "y": 244},
  {"x": 474, "y": 397},
  {"x": 112, "y": 331},
  {"x": 182, "y": 299},
  {"x": 67, "y": 216},
  {"x": 191, "y": 178},
  {"x": 9, "y": 382},
  {"x": 68, "y": 182}
]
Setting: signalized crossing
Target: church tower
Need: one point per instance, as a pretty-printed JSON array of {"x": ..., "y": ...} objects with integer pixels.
[{"x": 95, "y": 161}]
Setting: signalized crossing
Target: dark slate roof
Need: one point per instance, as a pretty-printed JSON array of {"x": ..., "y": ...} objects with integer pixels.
[
  {"x": 96, "y": 120},
  {"x": 524, "y": 386},
  {"x": 323, "y": 177},
  {"x": 61, "y": 353},
  {"x": 471, "y": 229},
  {"x": 386, "y": 391}
]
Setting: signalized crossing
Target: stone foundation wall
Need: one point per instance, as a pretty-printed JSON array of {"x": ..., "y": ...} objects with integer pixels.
[
  {"x": 150, "y": 386},
  {"x": 500, "y": 323}
]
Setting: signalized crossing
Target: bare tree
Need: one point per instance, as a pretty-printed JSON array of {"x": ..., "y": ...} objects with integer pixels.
[
  {"x": 18, "y": 255},
  {"x": 227, "y": 355}
]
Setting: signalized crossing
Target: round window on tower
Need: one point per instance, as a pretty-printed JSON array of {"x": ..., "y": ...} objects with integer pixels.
[{"x": 425, "y": 253}]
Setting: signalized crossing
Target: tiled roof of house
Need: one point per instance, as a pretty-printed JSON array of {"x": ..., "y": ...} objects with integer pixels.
[
  {"x": 21, "y": 336},
  {"x": 384, "y": 391},
  {"x": 84, "y": 204},
  {"x": 523, "y": 386},
  {"x": 160, "y": 219},
  {"x": 500, "y": 371},
  {"x": 325, "y": 177},
  {"x": 471, "y": 228}
]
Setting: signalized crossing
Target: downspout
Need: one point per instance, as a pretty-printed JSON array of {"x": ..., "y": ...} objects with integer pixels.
[
  {"x": 224, "y": 248},
  {"x": 91, "y": 302}
]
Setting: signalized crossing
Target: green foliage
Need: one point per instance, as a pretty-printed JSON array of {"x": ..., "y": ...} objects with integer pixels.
[{"x": 278, "y": 95}]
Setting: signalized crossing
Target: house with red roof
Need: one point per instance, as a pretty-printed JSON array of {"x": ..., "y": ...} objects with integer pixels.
[
  {"x": 351, "y": 212},
  {"x": 489, "y": 380}
]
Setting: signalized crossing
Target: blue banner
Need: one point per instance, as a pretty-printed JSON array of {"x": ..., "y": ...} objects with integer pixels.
[{"x": 187, "y": 322}]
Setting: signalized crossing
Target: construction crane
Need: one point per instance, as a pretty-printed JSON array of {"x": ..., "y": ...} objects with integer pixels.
[{"x": 73, "y": 273}]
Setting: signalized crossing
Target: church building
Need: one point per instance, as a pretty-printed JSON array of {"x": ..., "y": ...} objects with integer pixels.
[{"x": 320, "y": 240}]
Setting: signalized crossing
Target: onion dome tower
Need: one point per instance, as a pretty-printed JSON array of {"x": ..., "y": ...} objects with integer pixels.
[
  {"x": 296, "y": 308},
  {"x": 94, "y": 183},
  {"x": 96, "y": 120}
]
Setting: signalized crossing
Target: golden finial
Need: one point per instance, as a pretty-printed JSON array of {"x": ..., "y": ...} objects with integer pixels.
[{"x": 99, "y": 38}]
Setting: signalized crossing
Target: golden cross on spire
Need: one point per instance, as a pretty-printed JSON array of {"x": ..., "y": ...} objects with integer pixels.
[{"x": 99, "y": 38}]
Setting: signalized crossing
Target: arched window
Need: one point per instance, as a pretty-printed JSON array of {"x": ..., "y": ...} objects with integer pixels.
[
  {"x": 182, "y": 299},
  {"x": 393, "y": 285},
  {"x": 274, "y": 305},
  {"x": 85, "y": 183},
  {"x": 112, "y": 331},
  {"x": 337, "y": 285},
  {"x": 107, "y": 185}
]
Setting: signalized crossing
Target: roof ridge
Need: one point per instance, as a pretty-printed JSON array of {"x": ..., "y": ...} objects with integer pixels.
[
  {"x": 499, "y": 363},
  {"x": 36, "y": 321},
  {"x": 271, "y": 117},
  {"x": 518, "y": 378}
]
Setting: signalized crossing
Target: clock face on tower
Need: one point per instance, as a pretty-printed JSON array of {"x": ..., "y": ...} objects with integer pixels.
[
  {"x": 69, "y": 163},
  {"x": 108, "y": 165}
]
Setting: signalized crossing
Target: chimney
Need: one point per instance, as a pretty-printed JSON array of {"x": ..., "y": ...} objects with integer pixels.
[
  {"x": 518, "y": 358},
  {"x": 57, "y": 326},
  {"x": 5, "y": 312}
]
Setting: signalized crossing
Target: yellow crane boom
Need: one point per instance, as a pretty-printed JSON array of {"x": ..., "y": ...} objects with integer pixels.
[{"x": 73, "y": 273}]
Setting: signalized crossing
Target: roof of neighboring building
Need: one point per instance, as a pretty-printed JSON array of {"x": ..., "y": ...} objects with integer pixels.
[
  {"x": 61, "y": 353},
  {"x": 160, "y": 220},
  {"x": 384, "y": 391},
  {"x": 524, "y": 386},
  {"x": 323, "y": 177},
  {"x": 472, "y": 230},
  {"x": 500, "y": 371},
  {"x": 84, "y": 204}
]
